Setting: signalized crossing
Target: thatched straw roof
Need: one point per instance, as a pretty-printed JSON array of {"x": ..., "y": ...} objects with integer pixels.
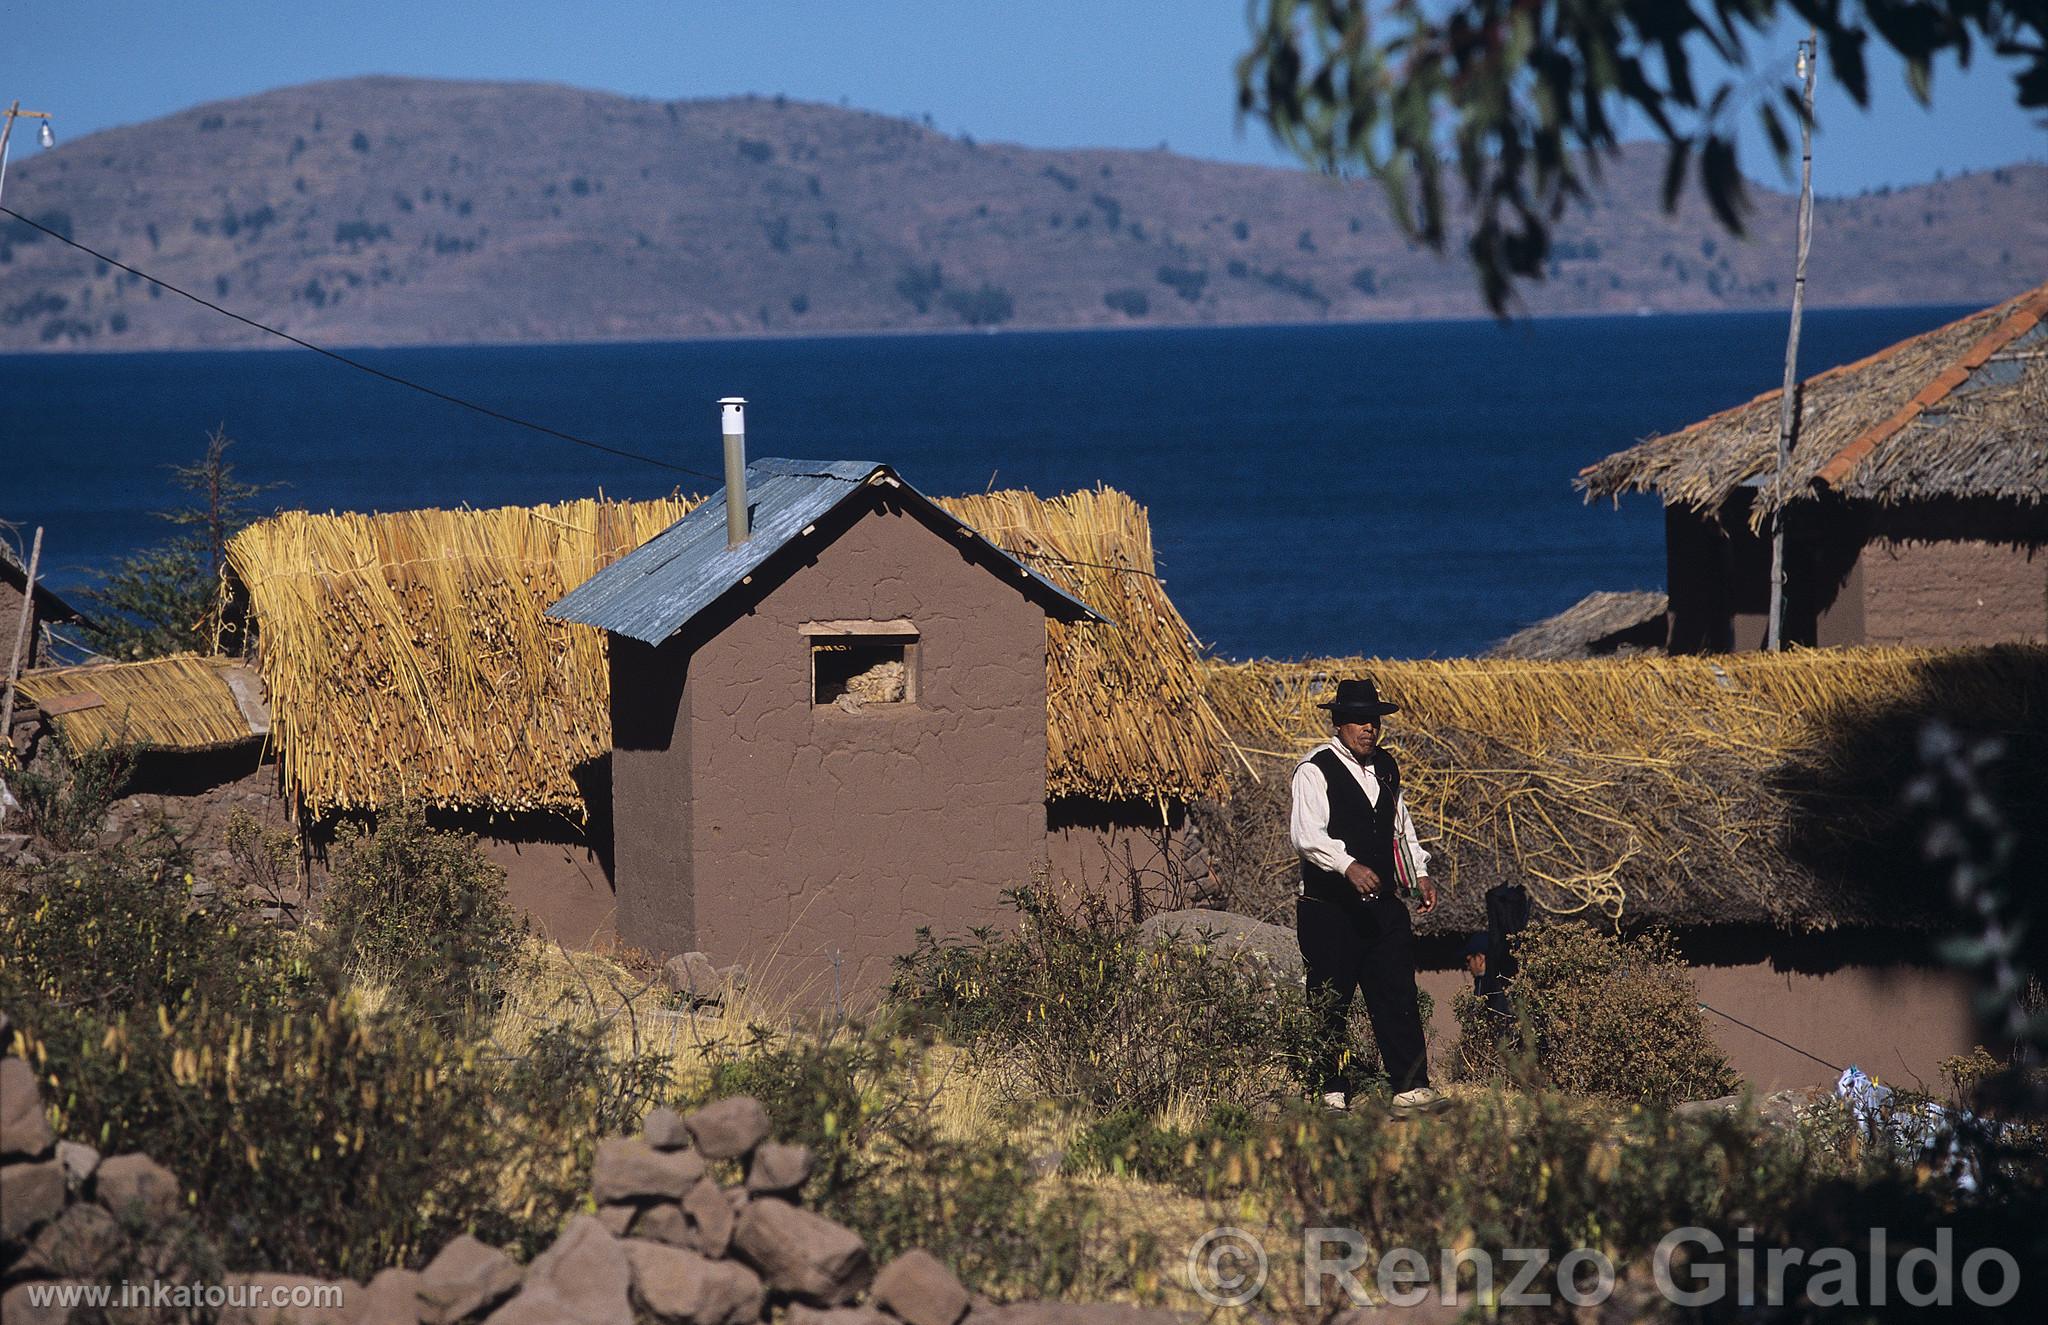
[
  {"x": 183, "y": 702},
  {"x": 407, "y": 655},
  {"x": 1753, "y": 788},
  {"x": 1960, "y": 412},
  {"x": 54, "y": 608},
  {"x": 1600, "y": 623}
]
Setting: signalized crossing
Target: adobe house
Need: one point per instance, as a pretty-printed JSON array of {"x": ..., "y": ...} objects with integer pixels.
[
  {"x": 1913, "y": 501},
  {"x": 46, "y": 610},
  {"x": 828, "y": 723}
]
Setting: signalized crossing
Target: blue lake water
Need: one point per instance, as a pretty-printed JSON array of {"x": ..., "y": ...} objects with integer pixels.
[{"x": 1402, "y": 489}]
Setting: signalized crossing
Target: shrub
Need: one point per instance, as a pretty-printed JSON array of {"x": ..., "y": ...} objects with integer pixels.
[
  {"x": 425, "y": 910},
  {"x": 1081, "y": 1012},
  {"x": 986, "y": 306},
  {"x": 1607, "y": 1016},
  {"x": 66, "y": 808},
  {"x": 1128, "y": 1143},
  {"x": 1129, "y": 301}
]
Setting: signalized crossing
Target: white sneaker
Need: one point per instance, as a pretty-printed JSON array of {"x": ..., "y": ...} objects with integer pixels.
[
  {"x": 1335, "y": 1100},
  {"x": 1422, "y": 1099}
]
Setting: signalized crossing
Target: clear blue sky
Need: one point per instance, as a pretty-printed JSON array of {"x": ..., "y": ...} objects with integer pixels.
[{"x": 1125, "y": 73}]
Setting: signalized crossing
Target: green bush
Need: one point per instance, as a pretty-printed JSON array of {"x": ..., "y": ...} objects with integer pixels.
[
  {"x": 67, "y": 808},
  {"x": 425, "y": 910},
  {"x": 1134, "y": 1144},
  {"x": 1610, "y": 1016},
  {"x": 1075, "y": 1008}
]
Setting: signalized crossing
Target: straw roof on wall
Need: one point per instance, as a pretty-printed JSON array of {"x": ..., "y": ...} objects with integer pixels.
[
  {"x": 1959, "y": 412},
  {"x": 407, "y": 655},
  {"x": 183, "y": 702},
  {"x": 1601, "y": 622},
  {"x": 1747, "y": 788}
]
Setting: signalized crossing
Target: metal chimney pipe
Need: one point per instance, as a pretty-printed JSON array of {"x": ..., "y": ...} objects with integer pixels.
[{"x": 733, "y": 421}]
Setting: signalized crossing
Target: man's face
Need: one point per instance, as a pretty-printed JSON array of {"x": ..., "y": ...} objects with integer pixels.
[
  {"x": 1359, "y": 737},
  {"x": 1475, "y": 964}
]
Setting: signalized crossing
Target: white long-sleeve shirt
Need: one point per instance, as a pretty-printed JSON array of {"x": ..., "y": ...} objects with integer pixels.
[{"x": 1309, "y": 824}]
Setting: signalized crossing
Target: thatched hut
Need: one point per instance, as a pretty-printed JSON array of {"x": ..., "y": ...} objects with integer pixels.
[
  {"x": 408, "y": 657},
  {"x": 1913, "y": 502},
  {"x": 1751, "y": 803},
  {"x": 1602, "y": 624}
]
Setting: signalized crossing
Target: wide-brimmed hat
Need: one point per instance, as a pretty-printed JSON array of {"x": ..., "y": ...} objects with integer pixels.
[{"x": 1357, "y": 701}]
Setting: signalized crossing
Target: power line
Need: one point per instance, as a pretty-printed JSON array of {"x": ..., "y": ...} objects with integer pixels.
[
  {"x": 1833, "y": 1067},
  {"x": 358, "y": 364}
]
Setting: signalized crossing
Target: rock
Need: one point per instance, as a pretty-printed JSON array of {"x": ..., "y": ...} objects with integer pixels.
[
  {"x": 19, "y": 1304},
  {"x": 464, "y": 1279},
  {"x": 84, "y": 1242},
  {"x": 1707, "y": 1108},
  {"x": 663, "y": 1129},
  {"x": 79, "y": 1161},
  {"x": 777, "y": 1169},
  {"x": 627, "y": 1169},
  {"x": 617, "y": 1218},
  {"x": 137, "y": 1187},
  {"x": 675, "y": 1285},
  {"x": 392, "y": 1298},
  {"x": 286, "y": 1299},
  {"x": 666, "y": 1222},
  {"x": 693, "y": 976},
  {"x": 1080, "y": 1313},
  {"x": 804, "y": 1255},
  {"x": 1273, "y": 946},
  {"x": 917, "y": 1289},
  {"x": 585, "y": 1272},
  {"x": 24, "y": 1127},
  {"x": 711, "y": 1217},
  {"x": 799, "y": 1314},
  {"x": 31, "y": 1195},
  {"x": 729, "y": 1128}
]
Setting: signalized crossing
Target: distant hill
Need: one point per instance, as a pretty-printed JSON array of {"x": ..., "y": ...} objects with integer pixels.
[{"x": 406, "y": 211}]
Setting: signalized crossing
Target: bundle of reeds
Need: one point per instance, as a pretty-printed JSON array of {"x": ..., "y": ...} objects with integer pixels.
[
  {"x": 182, "y": 702},
  {"x": 1749, "y": 787},
  {"x": 1128, "y": 716},
  {"x": 407, "y": 656}
]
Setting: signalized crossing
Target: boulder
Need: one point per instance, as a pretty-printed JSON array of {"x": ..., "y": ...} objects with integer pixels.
[
  {"x": 465, "y": 1278},
  {"x": 666, "y": 1222},
  {"x": 24, "y": 1127},
  {"x": 137, "y": 1187},
  {"x": 800, "y": 1254},
  {"x": 84, "y": 1242},
  {"x": 679, "y": 1287},
  {"x": 79, "y": 1161},
  {"x": 799, "y": 1314},
  {"x": 663, "y": 1129},
  {"x": 776, "y": 1169},
  {"x": 1079, "y": 1313},
  {"x": 31, "y": 1195},
  {"x": 33, "y": 1303},
  {"x": 586, "y": 1275},
  {"x": 694, "y": 977},
  {"x": 917, "y": 1289},
  {"x": 1272, "y": 946},
  {"x": 287, "y": 1299},
  {"x": 617, "y": 1218},
  {"x": 711, "y": 1217},
  {"x": 391, "y": 1298},
  {"x": 628, "y": 1169},
  {"x": 729, "y": 1128}
]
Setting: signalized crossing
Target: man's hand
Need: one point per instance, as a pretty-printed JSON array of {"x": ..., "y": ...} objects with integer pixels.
[
  {"x": 1363, "y": 878},
  {"x": 1428, "y": 896}
]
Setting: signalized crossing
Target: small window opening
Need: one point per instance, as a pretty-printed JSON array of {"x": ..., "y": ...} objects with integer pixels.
[{"x": 854, "y": 673}]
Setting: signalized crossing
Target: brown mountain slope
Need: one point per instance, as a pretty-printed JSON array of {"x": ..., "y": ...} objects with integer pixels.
[{"x": 403, "y": 211}]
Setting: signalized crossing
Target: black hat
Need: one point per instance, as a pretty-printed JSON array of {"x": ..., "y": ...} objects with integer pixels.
[
  {"x": 1476, "y": 945},
  {"x": 1358, "y": 701}
]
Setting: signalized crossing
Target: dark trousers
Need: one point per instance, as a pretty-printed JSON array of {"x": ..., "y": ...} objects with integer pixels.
[{"x": 1363, "y": 948}]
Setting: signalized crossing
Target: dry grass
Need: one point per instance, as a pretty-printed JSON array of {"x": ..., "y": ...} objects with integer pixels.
[
  {"x": 182, "y": 702},
  {"x": 1683, "y": 789}
]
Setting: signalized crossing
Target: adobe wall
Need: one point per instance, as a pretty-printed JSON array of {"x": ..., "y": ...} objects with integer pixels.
[
  {"x": 1954, "y": 591},
  {"x": 769, "y": 831},
  {"x": 1897, "y": 1021},
  {"x": 1112, "y": 847},
  {"x": 10, "y": 622}
]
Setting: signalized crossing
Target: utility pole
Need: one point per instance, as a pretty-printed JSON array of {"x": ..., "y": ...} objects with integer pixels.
[
  {"x": 13, "y": 113},
  {"x": 1788, "y": 401},
  {"x": 21, "y": 637}
]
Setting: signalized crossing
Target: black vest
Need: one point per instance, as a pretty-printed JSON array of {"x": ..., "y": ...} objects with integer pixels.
[{"x": 1365, "y": 829}]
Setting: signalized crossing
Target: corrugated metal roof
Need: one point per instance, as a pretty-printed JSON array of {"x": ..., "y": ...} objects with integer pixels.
[{"x": 652, "y": 592}]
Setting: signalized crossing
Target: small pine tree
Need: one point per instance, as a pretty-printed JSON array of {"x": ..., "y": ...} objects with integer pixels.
[{"x": 170, "y": 598}]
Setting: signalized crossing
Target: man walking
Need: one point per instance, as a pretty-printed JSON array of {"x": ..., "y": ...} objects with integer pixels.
[{"x": 1358, "y": 849}]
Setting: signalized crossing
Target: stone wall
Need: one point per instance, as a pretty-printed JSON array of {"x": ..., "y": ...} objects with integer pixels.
[{"x": 669, "y": 1242}]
